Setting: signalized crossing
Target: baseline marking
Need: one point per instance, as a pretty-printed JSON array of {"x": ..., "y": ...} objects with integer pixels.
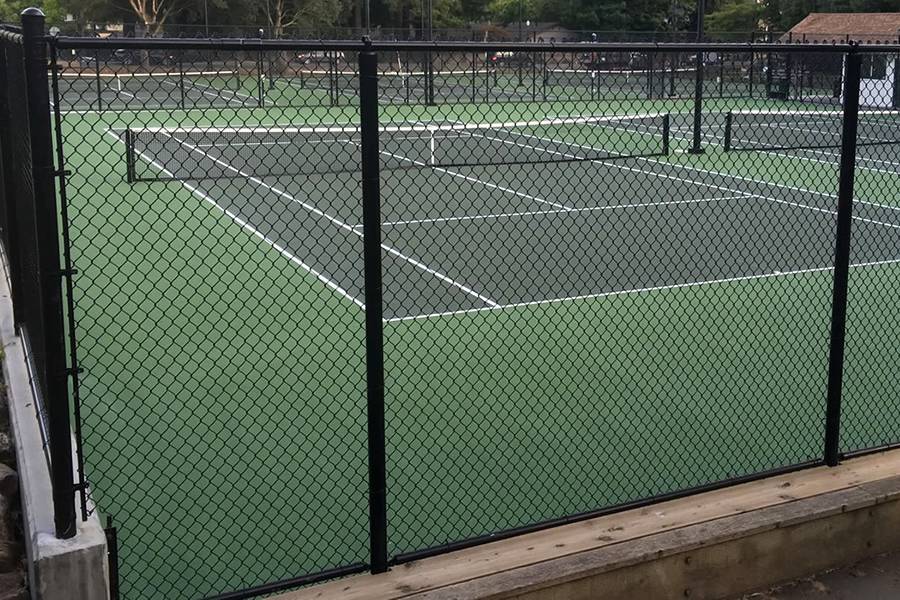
[
  {"x": 770, "y": 183},
  {"x": 339, "y": 223},
  {"x": 473, "y": 179},
  {"x": 557, "y": 211},
  {"x": 673, "y": 177},
  {"x": 637, "y": 291},
  {"x": 281, "y": 250},
  {"x": 823, "y": 210}
]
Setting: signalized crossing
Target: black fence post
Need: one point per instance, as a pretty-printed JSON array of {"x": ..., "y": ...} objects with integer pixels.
[
  {"x": 371, "y": 192},
  {"x": 50, "y": 273},
  {"x": 112, "y": 557},
  {"x": 181, "y": 100},
  {"x": 99, "y": 84},
  {"x": 842, "y": 257},
  {"x": 474, "y": 77},
  {"x": 68, "y": 273},
  {"x": 729, "y": 117},
  {"x": 8, "y": 160},
  {"x": 260, "y": 72},
  {"x": 752, "y": 66},
  {"x": 696, "y": 145}
]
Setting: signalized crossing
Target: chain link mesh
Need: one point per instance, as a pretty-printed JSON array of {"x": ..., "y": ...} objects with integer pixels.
[{"x": 580, "y": 309}]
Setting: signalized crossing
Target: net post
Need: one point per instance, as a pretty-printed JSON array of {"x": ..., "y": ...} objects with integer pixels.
[
  {"x": 727, "y": 143},
  {"x": 673, "y": 65},
  {"x": 260, "y": 72},
  {"x": 54, "y": 371},
  {"x": 852, "y": 68},
  {"x": 650, "y": 57},
  {"x": 371, "y": 200},
  {"x": 721, "y": 74},
  {"x": 474, "y": 77},
  {"x": 534, "y": 59},
  {"x": 544, "y": 76},
  {"x": 181, "y": 80},
  {"x": 487, "y": 78},
  {"x": 332, "y": 78},
  {"x": 752, "y": 65},
  {"x": 429, "y": 78},
  {"x": 667, "y": 128},
  {"x": 99, "y": 81},
  {"x": 407, "y": 80},
  {"x": 696, "y": 145},
  {"x": 129, "y": 156}
]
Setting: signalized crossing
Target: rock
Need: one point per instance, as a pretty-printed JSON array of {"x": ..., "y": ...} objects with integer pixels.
[
  {"x": 7, "y": 450},
  {"x": 12, "y": 586},
  {"x": 9, "y": 482},
  {"x": 10, "y": 556}
]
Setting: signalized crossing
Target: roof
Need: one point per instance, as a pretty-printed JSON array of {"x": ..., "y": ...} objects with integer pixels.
[{"x": 837, "y": 27}]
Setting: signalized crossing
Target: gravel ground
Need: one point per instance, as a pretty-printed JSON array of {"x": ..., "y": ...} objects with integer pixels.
[
  {"x": 12, "y": 566},
  {"x": 874, "y": 579}
]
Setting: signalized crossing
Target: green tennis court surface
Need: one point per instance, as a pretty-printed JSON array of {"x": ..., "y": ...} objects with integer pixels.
[{"x": 559, "y": 335}]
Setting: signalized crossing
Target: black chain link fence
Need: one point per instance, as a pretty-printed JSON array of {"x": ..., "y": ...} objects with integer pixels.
[
  {"x": 342, "y": 305},
  {"x": 31, "y": 248}
]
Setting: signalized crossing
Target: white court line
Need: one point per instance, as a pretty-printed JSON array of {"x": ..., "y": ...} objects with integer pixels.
[
  {"x": 833, "y": 162},
  {"x": 610, "y": 163},
  {"x": 339, "y": 223},
  {"x": 823, "y": 210},
  {"x": 555, "y": 212},
  {"x": 673, "y": 286},
  {"x": 772, "y": 199},
  {"x": 474, "y": 179},
  {"x": 281, "y": 250},
  {"x": 213, "y": 89},
  {"x": 836, "y": 156},
  {"x": 788, "y": 127},
  {"x": 716, "y": 140},
  {"x": 208, "y": 93},
  {"x": 710, "y": 172}
]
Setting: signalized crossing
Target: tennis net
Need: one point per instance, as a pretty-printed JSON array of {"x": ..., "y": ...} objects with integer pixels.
[
  {"x": 162, "y": 153},
  {"x": 799, "y": 130},
  {"x": 146, "y": 85}
]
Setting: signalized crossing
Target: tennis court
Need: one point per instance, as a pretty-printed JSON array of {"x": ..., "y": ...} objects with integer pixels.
[
  {"x": 518, "y": 216},
  {"x": 578, "y": 313}
]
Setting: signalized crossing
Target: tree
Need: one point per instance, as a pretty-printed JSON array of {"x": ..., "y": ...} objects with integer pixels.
[
  {"x": 281, "y": 14},
  {"x": 736, "y": 15},
  {"x": 10, "y": 10},
  {"x": 508, "y": 11},
  {"x": 152, "y": 13},
  {"x": 408, "y": 13}
]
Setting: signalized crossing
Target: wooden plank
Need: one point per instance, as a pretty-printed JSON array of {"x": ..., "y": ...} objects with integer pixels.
[
  {"x": 515, "y": 553},
  {"x": 647, "y": 552},
  {"x": 743, "y": 553}
]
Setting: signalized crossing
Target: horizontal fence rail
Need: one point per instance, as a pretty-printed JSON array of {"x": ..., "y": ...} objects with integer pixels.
[
  {"x": 373, "y": 301},
  {"x": 236, "y": 44}
]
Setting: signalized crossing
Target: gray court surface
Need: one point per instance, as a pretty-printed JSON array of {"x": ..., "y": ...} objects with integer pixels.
[{"x": 484, "y": 238}]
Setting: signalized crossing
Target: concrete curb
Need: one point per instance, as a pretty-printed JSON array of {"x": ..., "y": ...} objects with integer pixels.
[{"x": 57, "y": 569}]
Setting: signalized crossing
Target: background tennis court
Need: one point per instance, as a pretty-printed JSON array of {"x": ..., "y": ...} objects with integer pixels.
[{"x": 575, "y": 317}]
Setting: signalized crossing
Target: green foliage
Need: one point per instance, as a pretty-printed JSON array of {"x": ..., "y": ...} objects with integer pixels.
[
  {"x": 11, "y": 9},
  {"x": 511, "y": 11},
  {"x": 736, "y": 15},
  {"x": 445, "y": 13},
  {"x": 592, "y": 15}
]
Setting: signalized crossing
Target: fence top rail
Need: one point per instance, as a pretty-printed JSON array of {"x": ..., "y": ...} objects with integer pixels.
[
  {"x": 10, "y": 35},
  {"x": 237, "y": 44}
]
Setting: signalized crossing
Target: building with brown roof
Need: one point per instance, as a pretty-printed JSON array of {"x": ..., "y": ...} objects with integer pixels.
[
  {"x": 880, "y": 85},
  {"x": 866, "y": 28}
]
